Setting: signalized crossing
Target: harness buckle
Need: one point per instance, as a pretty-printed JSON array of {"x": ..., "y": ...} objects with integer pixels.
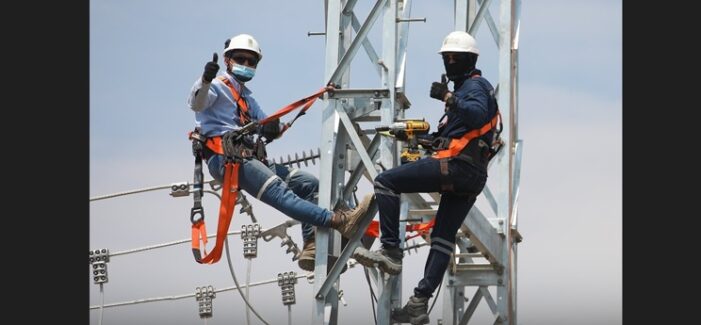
[{"x": 195, "y": 211}]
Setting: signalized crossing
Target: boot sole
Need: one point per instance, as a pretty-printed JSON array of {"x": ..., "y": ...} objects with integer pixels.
[
  {"x": 372, "y": 259},
  {"x": 418, "y": 320}
]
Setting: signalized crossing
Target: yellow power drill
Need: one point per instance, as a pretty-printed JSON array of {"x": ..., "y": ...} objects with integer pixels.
[{"x": 407, "y": 131}]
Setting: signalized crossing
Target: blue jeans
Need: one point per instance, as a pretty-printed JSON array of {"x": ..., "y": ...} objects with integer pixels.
[
  {"x": 423, "y": 176},
  {"x": 290, "y": 191}
]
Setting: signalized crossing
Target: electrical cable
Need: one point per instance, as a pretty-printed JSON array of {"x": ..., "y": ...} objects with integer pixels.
[
  {"x": 435, "y": 299},
  {"x": 248, "y": 296},
  {"x": 102, "y": 303},
  {"x": 182, "y": 241},
  {"x": 189, "y": 295},
  {"x": 233, "y": 275},
  {"x": 146, "y": 189},
  {"x": 373, "y": 299}
]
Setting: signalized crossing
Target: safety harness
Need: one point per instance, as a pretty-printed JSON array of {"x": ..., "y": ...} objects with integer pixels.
[
  {"x": 232, "y": 147},
  {"x": 463, "y": 148}
]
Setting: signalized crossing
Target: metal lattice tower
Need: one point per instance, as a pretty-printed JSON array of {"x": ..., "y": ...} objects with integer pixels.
[{"x": 345, "y": 147}]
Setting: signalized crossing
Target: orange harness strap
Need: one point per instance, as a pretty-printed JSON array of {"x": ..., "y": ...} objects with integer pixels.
[
  {"x": 243, "y": 106},
  {"x": 456, "y": 145},
  {"x": 230, "y": 191},
  {"x": 214, "y": 144}
]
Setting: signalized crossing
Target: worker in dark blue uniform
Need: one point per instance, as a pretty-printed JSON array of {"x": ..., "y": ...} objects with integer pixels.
[{"x": 457, "y": 169}]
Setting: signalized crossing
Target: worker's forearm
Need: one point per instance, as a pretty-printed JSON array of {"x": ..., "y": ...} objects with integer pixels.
[{"x": 201, "y": 97}]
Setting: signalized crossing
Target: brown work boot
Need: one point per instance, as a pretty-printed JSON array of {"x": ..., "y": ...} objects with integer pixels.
[
  {"x": 347, "y": 221},
  {"x": 306, "y": 259}
]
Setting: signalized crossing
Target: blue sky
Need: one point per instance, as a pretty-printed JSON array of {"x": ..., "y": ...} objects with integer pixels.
[{"x": 145, "y": 55}]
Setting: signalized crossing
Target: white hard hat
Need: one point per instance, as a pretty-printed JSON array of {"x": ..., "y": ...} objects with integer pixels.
[
  {"x": 459, "y": 41},
  {"x": 244, "y": 42}
]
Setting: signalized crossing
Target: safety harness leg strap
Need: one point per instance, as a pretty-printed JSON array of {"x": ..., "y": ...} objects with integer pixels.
[{"x": 446, "y": 182}]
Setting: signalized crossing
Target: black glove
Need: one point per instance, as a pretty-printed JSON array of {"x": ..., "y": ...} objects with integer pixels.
[
  {"x": 230, "y": 143},
  {"x": 438, "y": 90},
  {"x": 210, "y": 69},
  {"x": 271, "y": 130}
]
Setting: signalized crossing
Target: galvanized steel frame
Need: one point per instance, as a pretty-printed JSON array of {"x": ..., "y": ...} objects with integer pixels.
[{"x": 493, "y": 237}]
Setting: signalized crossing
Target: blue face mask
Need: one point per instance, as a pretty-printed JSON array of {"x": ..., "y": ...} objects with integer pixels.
[{"x": 242, "y": 72}]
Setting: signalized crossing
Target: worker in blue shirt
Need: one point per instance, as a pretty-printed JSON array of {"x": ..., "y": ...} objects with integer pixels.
[
  {"x": 457, "y": 169},
  {"x": 224, "y": 104}
]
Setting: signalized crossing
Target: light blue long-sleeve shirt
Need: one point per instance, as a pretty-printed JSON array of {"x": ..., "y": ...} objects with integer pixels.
[{"x": 220, "y": 113}]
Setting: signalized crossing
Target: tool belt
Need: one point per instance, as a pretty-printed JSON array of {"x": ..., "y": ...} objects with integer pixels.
[{"x": 233, "y": 146}]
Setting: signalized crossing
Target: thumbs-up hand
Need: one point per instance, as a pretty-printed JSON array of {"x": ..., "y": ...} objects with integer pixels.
[
  {"x": 439, "y": 90},
  {"x": 211, "y": 69}
]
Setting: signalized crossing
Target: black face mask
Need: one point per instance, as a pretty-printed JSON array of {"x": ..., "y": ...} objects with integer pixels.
[{"x": 458, "y": 69}]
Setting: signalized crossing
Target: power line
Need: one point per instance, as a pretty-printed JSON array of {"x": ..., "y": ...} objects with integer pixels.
[
  {"x": 211, "y": 182},
  {"x": 147, "y": 189},
  {"x": 141, "y": 249},
  {"x": 189, "y": 295}
]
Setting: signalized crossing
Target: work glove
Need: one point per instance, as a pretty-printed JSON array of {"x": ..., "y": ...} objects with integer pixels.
[
  {"x": 232, "y": 141},
  {"x": 210, "y": 69},
  {"x": 438, "y": 90},
  {"x": 271, "y": 130}
]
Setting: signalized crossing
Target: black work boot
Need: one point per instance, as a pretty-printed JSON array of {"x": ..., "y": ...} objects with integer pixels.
[
  {"x": 388, "y": 260},
  {"x": 414, "y": 312},
  {"x": 347, "y": 221},
  {"x": 306, "y": 259}
]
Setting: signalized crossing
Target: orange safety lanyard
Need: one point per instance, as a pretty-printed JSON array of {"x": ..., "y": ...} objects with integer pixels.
[
  {"x": 230, "y": 191},
  {"x": 373, "y": 229}
]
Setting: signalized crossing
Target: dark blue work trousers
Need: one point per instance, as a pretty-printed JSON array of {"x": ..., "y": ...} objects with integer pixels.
[{"x": 423, "y": 176}]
